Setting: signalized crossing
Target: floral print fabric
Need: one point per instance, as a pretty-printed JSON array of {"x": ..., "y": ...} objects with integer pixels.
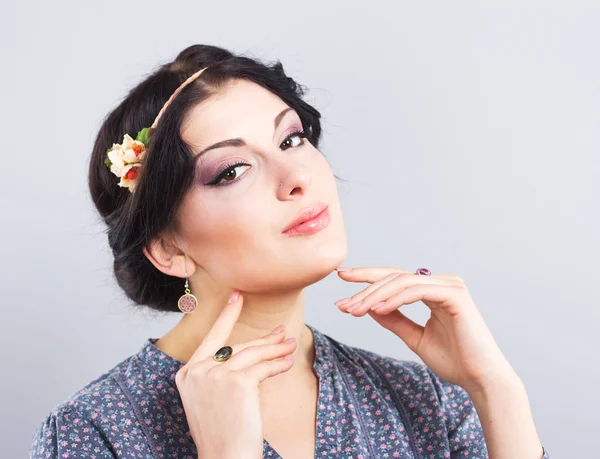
[{"x": 370, "y": 406}]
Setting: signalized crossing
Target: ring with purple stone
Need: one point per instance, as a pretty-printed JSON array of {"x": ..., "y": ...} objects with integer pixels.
[{"x": 423, "y": 272}]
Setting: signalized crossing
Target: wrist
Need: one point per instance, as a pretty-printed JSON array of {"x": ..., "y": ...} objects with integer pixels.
[
  {"x": 507, "y": 384},
  {"x": 504, "y": 412}
]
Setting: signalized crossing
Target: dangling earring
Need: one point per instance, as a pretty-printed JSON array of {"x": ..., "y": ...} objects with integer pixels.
[{"x": 187, "y": 302}]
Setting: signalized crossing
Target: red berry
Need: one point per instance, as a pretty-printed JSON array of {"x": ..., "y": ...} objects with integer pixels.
[
  {"x": 131, "y": 173},
  {"x": 137, "y": 149}
]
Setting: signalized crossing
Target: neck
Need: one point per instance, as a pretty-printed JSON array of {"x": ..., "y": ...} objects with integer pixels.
[{"x": 260, "y": 314}]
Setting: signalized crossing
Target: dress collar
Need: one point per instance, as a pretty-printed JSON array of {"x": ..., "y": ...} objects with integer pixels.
[
  {"x": 167, "y": 366},
  {"x": 323, "y": 352}
]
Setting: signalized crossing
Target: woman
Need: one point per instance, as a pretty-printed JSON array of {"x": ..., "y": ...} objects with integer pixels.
[{"x": 224, "y": 209}]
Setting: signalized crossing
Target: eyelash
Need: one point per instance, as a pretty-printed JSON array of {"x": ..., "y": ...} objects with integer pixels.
[{"x": 229, "y": 167}]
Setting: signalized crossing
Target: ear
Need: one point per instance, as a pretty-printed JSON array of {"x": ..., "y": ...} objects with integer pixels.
[{"x": 168, "y": 258}]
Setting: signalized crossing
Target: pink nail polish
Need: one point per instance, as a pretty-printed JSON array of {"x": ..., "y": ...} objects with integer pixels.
[
  {"x": 341, "y": 302},
  {"x": 233, "y": 296},
  {"x": 278, "y": 330},
  {"x": 377, "y": 305},
  {"x": 342, "y": 269},
  {"x": 354, "y": 306}
]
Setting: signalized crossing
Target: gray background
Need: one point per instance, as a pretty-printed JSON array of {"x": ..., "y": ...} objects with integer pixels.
[{"x": 467, "y": 133}]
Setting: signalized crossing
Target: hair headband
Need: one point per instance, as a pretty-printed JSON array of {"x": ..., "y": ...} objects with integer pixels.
[{"x": 124, "y": 159}]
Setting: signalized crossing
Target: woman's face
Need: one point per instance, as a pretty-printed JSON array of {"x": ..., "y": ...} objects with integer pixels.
[{"x": 232, "y": 219}]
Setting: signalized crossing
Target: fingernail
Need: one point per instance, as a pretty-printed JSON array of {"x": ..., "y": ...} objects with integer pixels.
[
  {"x": 377, "y": 305},
  {"x": 354, "y": 306},
  {"x": 290, "y": 340},
  {"x": 278, "y": 330},
  {"x": 233, "y": 296},
  {"x": 341, "y": 302},
  {"x": 341, "y": 268}
]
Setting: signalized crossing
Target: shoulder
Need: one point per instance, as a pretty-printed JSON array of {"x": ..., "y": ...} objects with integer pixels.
[
  {"x": 99, "y": 395},
  {"x": 90, "y": 422}
]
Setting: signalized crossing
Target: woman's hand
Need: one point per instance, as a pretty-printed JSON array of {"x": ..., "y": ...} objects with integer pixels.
[
  {"x": 221, "y": 399},
  {"x": 455, "y": 342}
]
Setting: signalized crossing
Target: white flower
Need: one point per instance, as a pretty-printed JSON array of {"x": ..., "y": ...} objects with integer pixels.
[
  {"x": 125, "y": 159},
  {"x": 133, "y": 150},
  {"x": 129, "y": 177},
  {"x": 116, "y": 158}
]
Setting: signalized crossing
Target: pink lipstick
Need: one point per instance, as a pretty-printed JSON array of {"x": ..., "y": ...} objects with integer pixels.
[{"x": 310, "y": 220}]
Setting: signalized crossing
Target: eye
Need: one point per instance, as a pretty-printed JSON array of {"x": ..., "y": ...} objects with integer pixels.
[
  {"x": 228, "y": 174},
  {"x": 288, "y": 142}
]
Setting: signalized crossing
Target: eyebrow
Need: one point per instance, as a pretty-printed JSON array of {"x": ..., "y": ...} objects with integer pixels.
[{"x": 237, "y": 142}]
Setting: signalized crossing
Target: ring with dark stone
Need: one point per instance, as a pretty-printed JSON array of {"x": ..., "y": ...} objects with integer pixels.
[{"x": 223, "y": 354}]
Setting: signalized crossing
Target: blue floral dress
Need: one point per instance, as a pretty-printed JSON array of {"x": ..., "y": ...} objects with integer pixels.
[{"x": 369, "y": 406}]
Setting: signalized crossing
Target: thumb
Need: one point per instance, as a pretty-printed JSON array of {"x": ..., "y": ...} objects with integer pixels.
[{"x": 406, "y": 329}]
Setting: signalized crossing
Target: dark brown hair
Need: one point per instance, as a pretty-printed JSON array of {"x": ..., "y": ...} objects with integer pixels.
[{"x": 134, "y": 219}]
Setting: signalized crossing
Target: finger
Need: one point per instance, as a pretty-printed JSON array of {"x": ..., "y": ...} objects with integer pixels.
[
  {"x": 256, "y": 354},
  {"x": 406, "y": 329},
  {"x": 275, "y": 336},
  {"x": 346, "y": 302},
  {"x": 220, "y": 331},
  {"x": 394, "y": 287},
  {"x": 263, "y": 370},
  {"x": 433, "y": 296},
  {"x": 368, "y": 274},
  {"x": 374, "y": 274}
]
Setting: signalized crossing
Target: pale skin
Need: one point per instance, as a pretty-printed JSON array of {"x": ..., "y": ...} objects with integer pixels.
[{"x": 229, "y": 238}]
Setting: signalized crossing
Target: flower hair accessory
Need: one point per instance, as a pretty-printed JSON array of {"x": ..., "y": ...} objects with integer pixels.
[{"x": 124, "y": 159}]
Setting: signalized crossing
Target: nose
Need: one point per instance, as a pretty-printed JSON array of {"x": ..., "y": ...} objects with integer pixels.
[{"x": 294, "y": 183}]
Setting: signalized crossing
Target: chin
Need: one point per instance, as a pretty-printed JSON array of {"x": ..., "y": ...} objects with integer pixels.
[{"x": 323, "y": 261}]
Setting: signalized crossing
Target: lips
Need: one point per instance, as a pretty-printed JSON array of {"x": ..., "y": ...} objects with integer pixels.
[{"x": 305, "y": 215}]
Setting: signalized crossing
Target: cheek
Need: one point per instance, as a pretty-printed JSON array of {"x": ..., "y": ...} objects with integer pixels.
[
  {"x": 214, "y": 226},
  {"x": 323, "y": 174},
  {"x": 318, "y": 163},
  {"x": 220, "y": 235}
]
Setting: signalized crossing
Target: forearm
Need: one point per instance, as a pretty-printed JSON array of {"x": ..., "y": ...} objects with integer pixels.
[{"x": 507, "y": 421}]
